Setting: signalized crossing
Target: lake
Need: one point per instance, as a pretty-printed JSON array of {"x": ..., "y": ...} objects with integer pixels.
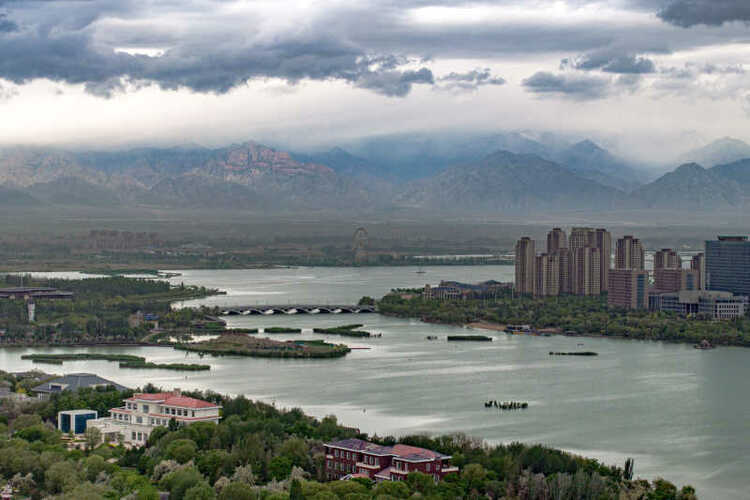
[{"x": 679, "y": 412}]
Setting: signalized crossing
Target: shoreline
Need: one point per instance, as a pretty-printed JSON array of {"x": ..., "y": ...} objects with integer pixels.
[
  {"x": 171, "y": 267},
  {"x": 484, "y": 325},
  {"x": 90, "y": 344}
]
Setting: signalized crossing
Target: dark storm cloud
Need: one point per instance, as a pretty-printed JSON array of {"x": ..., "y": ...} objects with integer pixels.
[
  {"x": 687, "y": 13},
  {"x": 73, "y": 57},
  {"x": 7, "y": 26},
  {"x": 60, "y": 45},
  {"x": 394, "y": 83},
  {"x": 572, "y": 86},
  {"x": 362, "y": 43},
  {"x": 610, "y": 62},
  {"x": 470, "y": 80},
  {"x": 476, "y": 76}
]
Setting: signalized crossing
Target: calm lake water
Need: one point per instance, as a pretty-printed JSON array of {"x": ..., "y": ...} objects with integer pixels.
[{"x": 680, "y": 413}]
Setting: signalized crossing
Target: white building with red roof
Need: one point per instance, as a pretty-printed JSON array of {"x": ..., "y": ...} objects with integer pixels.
[{"x": 142, "y": 413}]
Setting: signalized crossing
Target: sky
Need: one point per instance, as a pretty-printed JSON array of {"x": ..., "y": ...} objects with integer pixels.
[{"x": 651, "y": 77}]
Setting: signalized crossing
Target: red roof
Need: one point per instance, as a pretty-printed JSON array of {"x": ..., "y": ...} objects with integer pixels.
[
  {"x": 172, "y": 399},
  {"x": 414, "y": 453}
]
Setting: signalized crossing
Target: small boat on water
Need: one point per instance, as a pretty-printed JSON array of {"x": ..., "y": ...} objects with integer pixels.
[
  {"x": 431, "y": 337},
  {"x": 506, "y": 405},
  {"x": 704, "y": 345},
  {"x": 519, "y": 329}
]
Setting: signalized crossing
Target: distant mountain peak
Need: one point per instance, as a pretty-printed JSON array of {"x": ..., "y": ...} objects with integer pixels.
[
  {"x": 721, "y": 151},
  {"x": 588, "y": 146},
  {"x": 689, "y": 167},
  {"x": 730, "y": 140},
  {"x": 337, "y": 150}
]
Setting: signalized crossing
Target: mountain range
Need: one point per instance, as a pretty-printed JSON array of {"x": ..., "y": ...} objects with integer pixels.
[{"x": 500, "y": 173}]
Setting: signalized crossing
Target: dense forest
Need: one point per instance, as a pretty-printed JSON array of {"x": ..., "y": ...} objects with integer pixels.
[
  {"x": 259, "y": 451},
  {"x": 570, "y": 314}
]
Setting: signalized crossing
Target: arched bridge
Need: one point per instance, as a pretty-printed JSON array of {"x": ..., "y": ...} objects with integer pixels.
[{"x": 297, "y": 309}]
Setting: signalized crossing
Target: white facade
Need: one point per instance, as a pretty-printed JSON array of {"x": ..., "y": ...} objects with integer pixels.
[{"x": 142, "y": 413}]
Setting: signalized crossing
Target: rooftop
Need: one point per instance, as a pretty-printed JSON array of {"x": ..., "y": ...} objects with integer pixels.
[
  {"x": 406, "y": 452},
  {"x": 732, "y": 238},
  {"x": 173, "y": 399},
  {"x": 76, "y": 381},
  {"x": 359, "y": 445}
]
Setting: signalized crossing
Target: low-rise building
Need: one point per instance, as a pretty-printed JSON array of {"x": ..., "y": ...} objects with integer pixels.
[
  {"x": 142, "y": 413},
  {"x": 73, "y": 382},
  {"x": 75, "y": 421},
  {"x": 715, "y": 304},
  {"x": 441, "y": 293},
  {"x": 357, "y": 458},
  {"x": 675, "y": 279},
  {"x": 484, "y": 290}
]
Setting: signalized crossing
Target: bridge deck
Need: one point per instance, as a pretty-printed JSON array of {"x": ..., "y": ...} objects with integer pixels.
[{"x": 297, "y": 309}]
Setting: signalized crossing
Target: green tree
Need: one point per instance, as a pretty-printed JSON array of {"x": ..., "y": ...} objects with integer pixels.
[
  {"x": 212, "y": 463},
  {"x": 93, "y": 437},
  {"x": 61, "y": 477},
  {"x": 180, "y": 481},
  {"x": 182, "y": 450},
  {"x": 474, "y": 475},
  {"x": 201, "y": 491},
  {"x": 95, "y": 465},
  {"x": 395, "y": 489},
  {"x": 422, "y": 483},
  {"x": 295, "y": 490},
  {"x": 237, "y": 491},
  {"x": 280, "y": 467},
  {"x": 663, "y": 490}
]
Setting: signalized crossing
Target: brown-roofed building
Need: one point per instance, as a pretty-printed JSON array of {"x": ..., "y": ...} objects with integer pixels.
[{"x": 357, "y": 458}]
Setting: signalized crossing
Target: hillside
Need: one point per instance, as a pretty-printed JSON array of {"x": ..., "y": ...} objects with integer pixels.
[
  {"x": 738, "y": 171},
  {"x": 246, "y": 175},
  {"x": 510, "y": 182},
  {"x": 692, "y": 187},
  {"x": 592, "y": 162},
  {"x": 719, "y": 152}
]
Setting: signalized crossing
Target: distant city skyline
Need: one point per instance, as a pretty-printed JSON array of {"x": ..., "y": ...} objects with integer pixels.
[{"x": 641, "y": 74}]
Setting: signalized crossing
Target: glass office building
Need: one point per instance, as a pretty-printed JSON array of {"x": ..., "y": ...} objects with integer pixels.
[{"x": 728, "y": 264}]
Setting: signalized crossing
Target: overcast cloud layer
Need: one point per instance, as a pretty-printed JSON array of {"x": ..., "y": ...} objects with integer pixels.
[{"x": 446, "y": 61}]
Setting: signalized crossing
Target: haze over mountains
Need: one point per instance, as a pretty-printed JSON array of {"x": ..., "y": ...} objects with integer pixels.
[{"x": 507, "y": 173}]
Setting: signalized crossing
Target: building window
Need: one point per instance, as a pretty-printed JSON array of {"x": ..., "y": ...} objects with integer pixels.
[
  {"x": 145, "y": 409},
  {"x": 133, "y": 436},
  {"x": 138, "y": 420},
  {"x": 336, "y": 452},
  {"x": 429, "y": 466},
  {"x": 193, "y": 412}
]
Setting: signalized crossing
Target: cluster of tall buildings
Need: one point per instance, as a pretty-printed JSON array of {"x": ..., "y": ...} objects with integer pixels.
[
  {"x": 578, "y": 265},
  {"x": 717, "y": 280}
]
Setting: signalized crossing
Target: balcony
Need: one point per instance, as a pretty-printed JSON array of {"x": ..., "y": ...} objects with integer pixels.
[
  {"x": 448, "y": 470},
  {"x": 368, "y": 466}
]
